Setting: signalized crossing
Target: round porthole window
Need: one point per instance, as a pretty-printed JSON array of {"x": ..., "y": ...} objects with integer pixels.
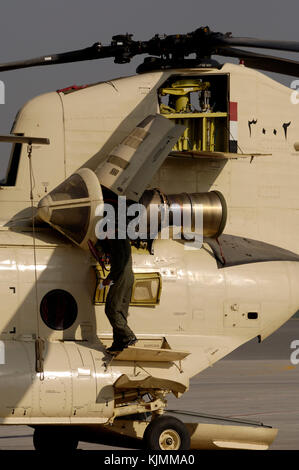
[{"x": 58, "y": 309}]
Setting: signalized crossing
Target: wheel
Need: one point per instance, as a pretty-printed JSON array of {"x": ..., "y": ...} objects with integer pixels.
[
  {"x": 51, "y": 438},
  {"x": 166, "y": 433}
]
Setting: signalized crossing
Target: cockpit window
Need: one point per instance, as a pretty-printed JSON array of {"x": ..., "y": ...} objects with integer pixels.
[
  {"x": 12, "y": 170},
  {"x": 13, "y": 165}
]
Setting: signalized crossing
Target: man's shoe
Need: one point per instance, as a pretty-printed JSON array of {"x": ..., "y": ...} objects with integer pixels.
[
  {"x": 131, "y": 342},
  {"x": 115, "y": 348}
]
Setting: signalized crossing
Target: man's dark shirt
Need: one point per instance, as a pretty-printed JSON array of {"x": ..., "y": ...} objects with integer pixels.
[{"x": 119, "y": 252}]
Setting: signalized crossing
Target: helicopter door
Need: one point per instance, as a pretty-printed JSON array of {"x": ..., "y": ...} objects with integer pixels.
[{"x": 132, "y": 164}]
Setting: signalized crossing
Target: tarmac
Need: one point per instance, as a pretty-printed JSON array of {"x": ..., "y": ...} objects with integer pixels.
[{"x": 256, "y": 382}]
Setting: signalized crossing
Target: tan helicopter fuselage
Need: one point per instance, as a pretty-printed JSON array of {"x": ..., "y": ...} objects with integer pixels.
[{"x": 207, "y": 306}]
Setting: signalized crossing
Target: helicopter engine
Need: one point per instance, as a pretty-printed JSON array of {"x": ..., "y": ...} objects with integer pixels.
[{"x": 207, "y": 208}]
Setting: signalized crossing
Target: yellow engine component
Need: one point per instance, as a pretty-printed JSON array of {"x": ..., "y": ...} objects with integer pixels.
[
  {"x": 205, "y": 129},
  {"x": 182, "y": 89}
]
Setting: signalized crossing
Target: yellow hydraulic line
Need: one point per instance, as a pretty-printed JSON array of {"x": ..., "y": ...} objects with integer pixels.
[
  {"x": 204, "y": 133},
  {"x": 212, "y": 135}
]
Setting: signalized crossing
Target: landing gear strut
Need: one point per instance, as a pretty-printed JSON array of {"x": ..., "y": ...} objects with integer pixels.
[{"x": 166, "y": 433}]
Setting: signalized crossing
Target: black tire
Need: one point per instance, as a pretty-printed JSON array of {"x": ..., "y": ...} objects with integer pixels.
[
  {"x": 166, "y": 433},
  {"x": 52, "y": 438}
]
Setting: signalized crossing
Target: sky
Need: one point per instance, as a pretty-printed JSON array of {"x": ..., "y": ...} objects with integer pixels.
[{"x": 33, "y": 28}]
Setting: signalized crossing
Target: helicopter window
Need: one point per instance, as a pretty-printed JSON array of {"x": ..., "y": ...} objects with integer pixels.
[
  {"x": 73, "y": 188},
  {"x": 146, "y": 289},
  {"x": 14, "y": 165},
  {"x": 12, "y": 170},
  {"x": 73, "y": 221},
  {"x": 58, "y": 309}
]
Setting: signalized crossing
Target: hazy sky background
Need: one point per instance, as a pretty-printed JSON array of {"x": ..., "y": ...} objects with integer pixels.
[{"x": 38, "y": 27}]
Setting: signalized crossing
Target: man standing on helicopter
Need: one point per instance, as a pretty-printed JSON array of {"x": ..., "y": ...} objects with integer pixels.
[
  {"x": 120, "y": 280},
  {"x": 114, "y": 243}
]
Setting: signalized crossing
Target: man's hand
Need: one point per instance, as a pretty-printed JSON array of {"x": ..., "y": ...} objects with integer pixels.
[{"x": 105, "y": 282}]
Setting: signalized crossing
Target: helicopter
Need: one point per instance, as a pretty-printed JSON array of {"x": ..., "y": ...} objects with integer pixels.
[{"x": 215, "y": 140}]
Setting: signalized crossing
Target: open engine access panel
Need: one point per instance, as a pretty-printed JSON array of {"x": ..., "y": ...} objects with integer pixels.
[{"x": 201, "y": 104}]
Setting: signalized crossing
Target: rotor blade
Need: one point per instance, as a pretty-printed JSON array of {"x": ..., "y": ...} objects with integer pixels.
[
  {"x": 290, "y": 46},
  {"x": 82, "y": 54},
  {"x": 97, "y": 51},
  {"x": 262, "y": 62}
]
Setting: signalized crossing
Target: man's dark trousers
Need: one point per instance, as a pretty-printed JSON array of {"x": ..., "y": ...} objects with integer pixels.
[{"x": 117, "y": 305}]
